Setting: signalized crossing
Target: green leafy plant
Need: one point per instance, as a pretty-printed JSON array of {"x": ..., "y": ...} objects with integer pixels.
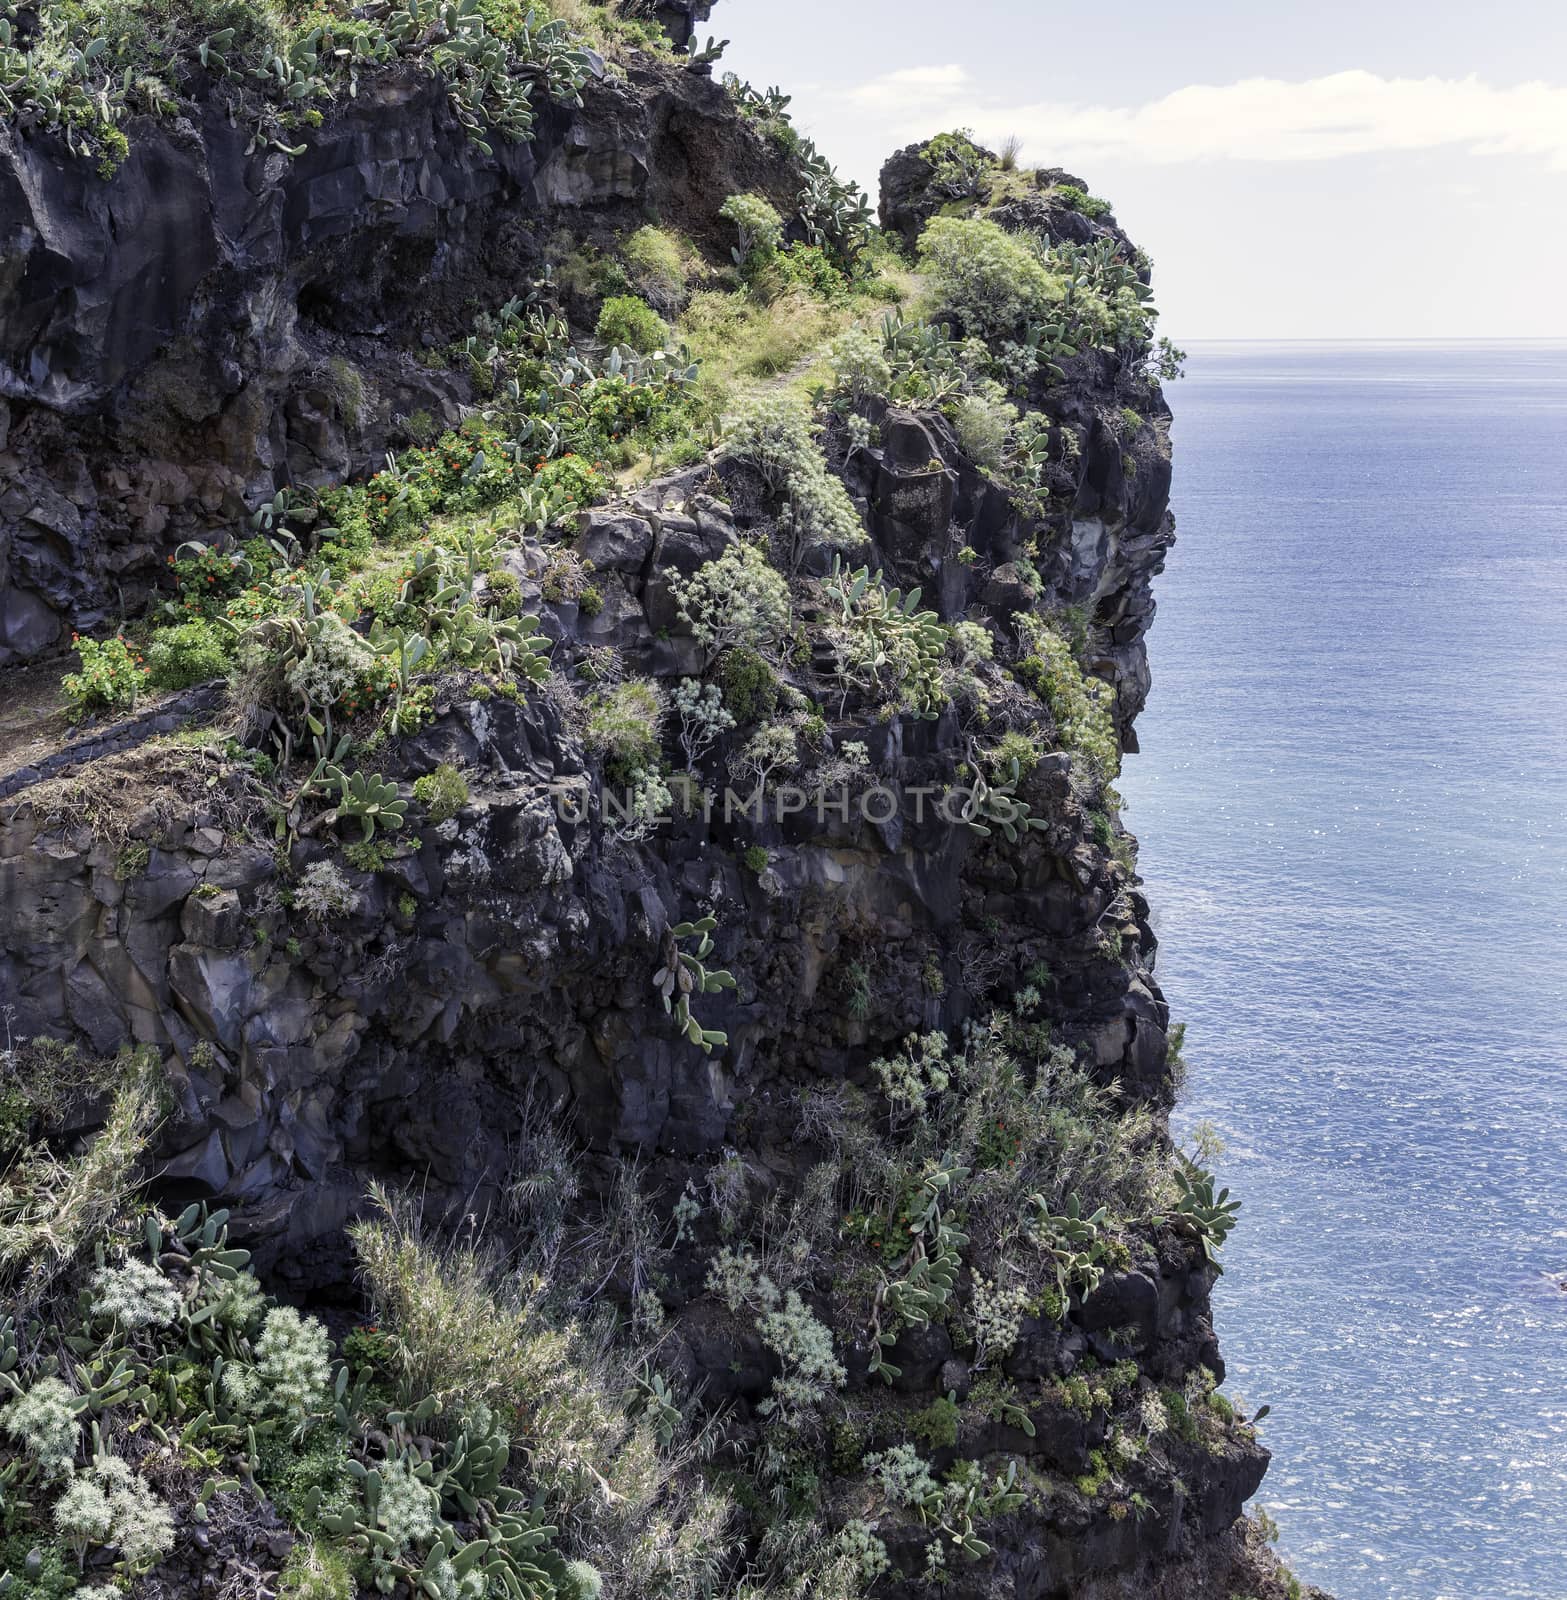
[
  {"x": 1090, "y": 205},
  {"x": 112, "y": 676},
  {"x": 749, "y": 685},
  {"x": 187, "y": 653}
]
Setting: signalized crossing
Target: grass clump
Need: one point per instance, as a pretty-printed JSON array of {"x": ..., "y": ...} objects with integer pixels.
[
  {"x": 442, "y": 793},
  {"x": 51, "y": 1209},
  {"x": 625, "y": 726},
  {"x": 656, "y": 264},
  {"x": 467, "y": 1329},
  {"x": 984, "y": 426}
]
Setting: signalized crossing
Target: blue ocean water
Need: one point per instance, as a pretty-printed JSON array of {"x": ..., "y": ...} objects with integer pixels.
[{"x": 1352, "y": 802}]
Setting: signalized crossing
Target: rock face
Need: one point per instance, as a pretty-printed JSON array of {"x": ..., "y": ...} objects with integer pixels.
[
  {"x": 527, "y": 952},
  {"x": 182, "y": 341}
]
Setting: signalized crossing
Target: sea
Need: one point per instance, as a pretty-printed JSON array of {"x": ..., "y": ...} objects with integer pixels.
[{"x": 1352, "y": 806}]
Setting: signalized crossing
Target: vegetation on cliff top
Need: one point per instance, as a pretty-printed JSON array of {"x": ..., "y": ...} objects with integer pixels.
[{"x": 82, "y": 68}]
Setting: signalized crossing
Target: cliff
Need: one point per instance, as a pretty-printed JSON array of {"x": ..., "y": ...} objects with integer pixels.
[{"x": 590, "y": 827}]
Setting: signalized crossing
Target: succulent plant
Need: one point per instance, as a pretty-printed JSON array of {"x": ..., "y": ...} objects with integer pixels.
[
  {"x": 368, "y": 798},
  {"x": 1201, "y": 1213},
  {"x": 996, "y": 805},
  {"x": 1074, "y": 1243},
  {"x": 895, "y": 639},
  {"x": 683, "y": 974}
]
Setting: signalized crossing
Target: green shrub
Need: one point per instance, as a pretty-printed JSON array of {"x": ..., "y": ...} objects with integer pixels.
[
  {"x": 749, "y": 685},
  {"x": 572, "y": 475},
  {"x": 738, "y": 599},
  {"x": 290, "y": 1470},
  {"x": 756, "y": 859},
  {"x": 1083, "y": 706},
  {"x": 112, "y": 676},
  {"x": 420, "y": 427},
  {"x": 775, "y": 434},
  {"x": 804, "y": 266},
  {"x": 991, "y": 281},
  {"x": 625, "y": 726},
  {"x": 190, "y": 652},
  {"x": 442, "y": 793},
  {"x": 860, "y": 365},
  {"x": 365, "y": 855},
  {"x": 1090, "y": 205},
  {"x": 937, "y": 1425},
  {"x": 655, "y": 262},
  {"x": 628, "y": 320}
]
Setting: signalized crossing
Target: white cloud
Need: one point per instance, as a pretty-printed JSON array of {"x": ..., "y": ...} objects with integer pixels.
[
  {"x": 911, "y": 89},
  {"x": 1257, "y": 119}
]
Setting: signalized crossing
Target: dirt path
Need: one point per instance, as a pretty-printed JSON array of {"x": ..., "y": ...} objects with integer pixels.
[{"x": 33, "y": 722}]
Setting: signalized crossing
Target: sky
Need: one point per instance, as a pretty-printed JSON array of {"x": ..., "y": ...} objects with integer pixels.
[{"x": 1350, "y": 169}]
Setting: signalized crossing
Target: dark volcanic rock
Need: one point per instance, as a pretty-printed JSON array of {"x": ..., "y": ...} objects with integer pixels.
[{"x": 209, "y": 326}]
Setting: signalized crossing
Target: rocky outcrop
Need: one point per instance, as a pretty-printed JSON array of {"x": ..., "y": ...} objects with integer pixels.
[
  {"x": 909, "y": 199},
  {"x": 679, "y": 18},
  {"x": 210, "y": 325},
  {"x": 509, "y": 937}
]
